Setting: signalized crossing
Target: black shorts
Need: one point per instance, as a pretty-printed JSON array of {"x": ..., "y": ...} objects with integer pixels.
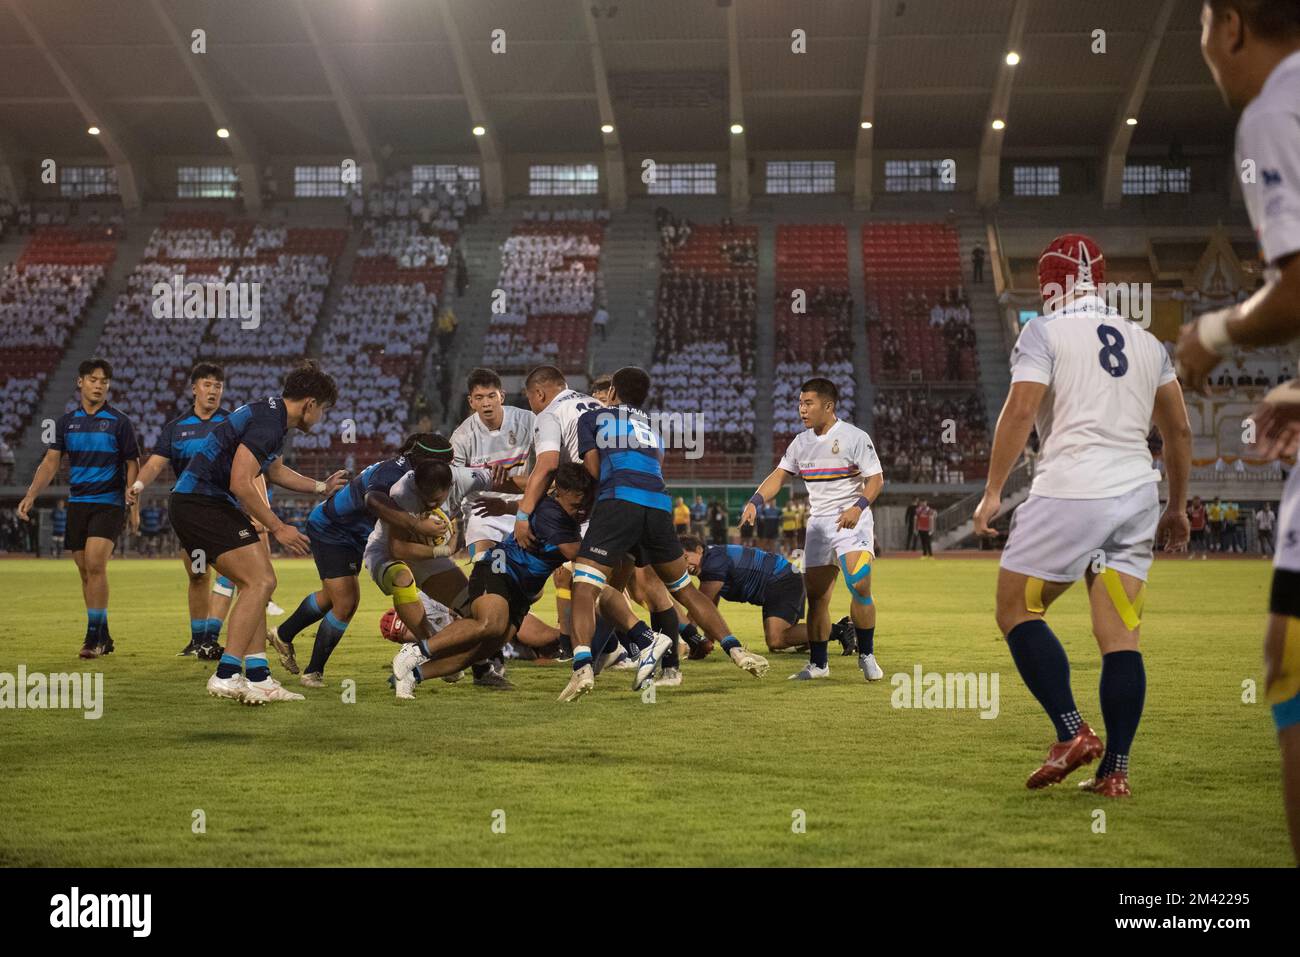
[
  {"x": 621, "y": 528},
  {"x": 209, "y": 526},
  {"x": 335, "y": 559},
  {"x": 92, "y": 520},
  {"x": 1285, "y": 597},
  {"x": 484, "y": 581},
  {"x": 784, "y": 598}
]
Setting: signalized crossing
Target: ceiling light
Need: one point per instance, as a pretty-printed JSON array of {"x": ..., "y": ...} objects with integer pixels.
[
  {"x": 223, "y": 133},
  {"x": 999, "y": 125},
  {"x": 606, "y": 128},
  {"x": 480, "y": 131},
  {"x": 736, "y": 129},
  {"x": 1013, "y": 58},
  {"x": 93, "y": 131},
  {"x": 866, "y": 124},
  {"x": 1132, "y": 121}
]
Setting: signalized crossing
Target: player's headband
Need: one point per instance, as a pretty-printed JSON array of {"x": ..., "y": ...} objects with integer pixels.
[{"x": 421, "y": 445}]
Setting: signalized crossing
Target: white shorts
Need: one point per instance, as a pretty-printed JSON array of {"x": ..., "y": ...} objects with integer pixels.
[
  {"x": 1286, "y": 555},
  {"x": 488, "y": 528},
  {"x": 378, "y": 558},
  {"x": 439, "y": 615},
  {"x": 824, "y": 544},
  {"x": 1056, "y": 539}
]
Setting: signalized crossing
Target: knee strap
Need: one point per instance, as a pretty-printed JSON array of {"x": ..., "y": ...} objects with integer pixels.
[
  {"x": 859, "y": 572},
  {"x": 681, "y": 583},
  {"x": 1129, "y": 611},
  {"x": 223, "y": 586},
  {"x": 1286, "y": 680},
  {"x": 565, "y": 593},
  {"x": 585, "y": 574},
  {"x": 402, "y": 594},
  {"x": 1034, "y": 596}
]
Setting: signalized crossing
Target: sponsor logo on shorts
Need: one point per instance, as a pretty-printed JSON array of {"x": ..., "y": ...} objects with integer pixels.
[
  {"x": 244, "y": 533},
  {"x": 599, "y": 551}
]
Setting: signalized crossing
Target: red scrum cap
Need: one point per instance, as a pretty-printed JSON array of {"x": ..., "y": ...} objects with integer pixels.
[{"x": 1072, "y": 261}]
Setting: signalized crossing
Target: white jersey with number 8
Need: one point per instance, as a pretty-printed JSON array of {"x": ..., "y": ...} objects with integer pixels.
[{"x": 1101, "y": 373}]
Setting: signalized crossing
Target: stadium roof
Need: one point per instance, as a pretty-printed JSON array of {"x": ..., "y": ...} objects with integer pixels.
[{"x": 313, "y": 76}]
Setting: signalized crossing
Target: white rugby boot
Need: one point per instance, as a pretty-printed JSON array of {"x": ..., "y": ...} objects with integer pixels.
[
  {"x": 582, "y": 681},
  {"x": 232, "y": 687},
  {"x": 268, "y": 690}
]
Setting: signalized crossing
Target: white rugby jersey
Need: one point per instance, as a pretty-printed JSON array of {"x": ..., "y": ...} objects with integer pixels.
[
  {"x": 463, "y": 483},
  {"x": 832, "y": 465},
  {"x": 556, "y": 427},
  {"x": 474, "y": 445},
  {"x": 1268, "y": 136},
  {"x": 1101, "y": 373}
]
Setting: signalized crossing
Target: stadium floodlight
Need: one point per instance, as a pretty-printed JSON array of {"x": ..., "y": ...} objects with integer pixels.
[
  {"x": 93, "y": 131},
  {"x": 736, "y": 129},
  {"x": 480, "y": 131},
  {"x": 606, "y": 128},
  {"x": 223, "y": 133},
  {"x": 999, "y": 125},
  {"x": 866, "y": 124},
  {"x": 1013, "y": 58},
  {"x": 1132, "y": 121}
]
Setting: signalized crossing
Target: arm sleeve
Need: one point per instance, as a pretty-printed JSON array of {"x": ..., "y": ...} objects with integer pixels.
[
  {"x": 715, "y": 566},
  {"x": 1033, "y": 357},
  {"x": 1167, "y": 373},
  {"x": 548, "y": 436},
  {"x": 163, "y": 446},
  {"x": 1272, "y": 140},
  {"x": 459, "y": 448},
  {"x": 128, "y": 448},
  {"x": 587, "y": 432},
  {"x": 868, "y": 461}
]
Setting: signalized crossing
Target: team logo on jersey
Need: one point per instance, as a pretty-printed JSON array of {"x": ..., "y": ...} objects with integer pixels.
[
  {"x": 511, "y": 436},
  {"x": 835, "y": 447},
  {"x": 1271, "y": 177}
]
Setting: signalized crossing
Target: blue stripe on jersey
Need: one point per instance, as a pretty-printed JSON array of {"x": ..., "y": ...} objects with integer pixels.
[
  {"x": 90, "y": 442},
  {"x": 182, "y": 437},
  {"x": 85, "y": 475},
  {"x": 99, "y": 498},
  {"x": 748, "y": 571},
  {"x": 631, "y": 458},
  {"x": 343, "y": 518},
  {"x": 530, "y": 568},
  {"x": 261, "y": 426}
]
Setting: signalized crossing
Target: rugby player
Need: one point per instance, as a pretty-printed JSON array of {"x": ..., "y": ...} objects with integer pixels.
[
  {"x": 103, "y": 459},
  {"x": 1252, "y": 48},
  {"x": 740, "y": 573},
  {"x": 1092, "y": 382},
  {"x": 216, "y": 500},
  {"x": 632, "y": 516},
  {"x": 338, "y": 529},
  {"x": 502, "y": 587},
  {"x": 838, "y": 463},
  {"x": 177, "y": 442}
]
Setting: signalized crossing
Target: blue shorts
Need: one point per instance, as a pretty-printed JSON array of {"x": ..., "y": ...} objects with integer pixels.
[
  {"x": 336, "y": 556},
  {"x": 784, "y": 598}
]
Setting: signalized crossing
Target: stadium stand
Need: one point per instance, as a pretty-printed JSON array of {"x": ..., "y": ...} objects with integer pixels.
[
  {"x": 43, "y": 297},
  {"x": 813, "y": 336},
  {"x": 550, "y": 273},
  {"x": 706, "y": 310}
]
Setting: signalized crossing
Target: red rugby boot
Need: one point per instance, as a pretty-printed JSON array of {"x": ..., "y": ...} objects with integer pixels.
[
  {"x": 1113, "y": 785},
  {"x": 1064, "y": 756}
]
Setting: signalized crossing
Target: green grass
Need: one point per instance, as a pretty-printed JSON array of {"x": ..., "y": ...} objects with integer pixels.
[{"x": 708, "y": 774}]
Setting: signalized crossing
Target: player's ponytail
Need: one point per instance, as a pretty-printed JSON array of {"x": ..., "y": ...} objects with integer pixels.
[{"x": 426, "y": 446}]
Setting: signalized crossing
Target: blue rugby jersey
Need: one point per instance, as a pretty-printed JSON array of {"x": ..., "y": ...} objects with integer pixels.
[
  {"x": 260, "y": 425},
  {"x": 98, "y": 447},
  {"x": 530, "y": 568},
  {"x": 631, "y": 458},
  {"x": 60, "y": 518},
  {"x": 745, "y": 572},
  {"x": 343, "y": 519},
  {"x": 151, "y": 519},
  {"x": 184, "y": 435}
]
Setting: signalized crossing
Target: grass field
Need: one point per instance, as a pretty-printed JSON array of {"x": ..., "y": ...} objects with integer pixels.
[{"x": 713, "y": 772}]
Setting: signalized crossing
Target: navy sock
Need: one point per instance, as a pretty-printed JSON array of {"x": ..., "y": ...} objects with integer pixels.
[
  {"x": 601, "y": 639},
  {"x": 328, "y": 635},
  {"x": 640, "y": 636},
  {"x": 690, "y": 634},
  {"x": 255, "y": 667},
  {"x": 1043, "y": 665},
  {"x": 1123, "y": 691},
  {"x": 866, "y": 640},
  {"x": 96, "y": 625},
  {"x": 229, "y": 666},
  {"x": 817, "y": 653},
  {"x": 306, "y": 614},
  {"x": 665, "y": 622},
  {"x": 198, "y": 630},
  {"x": 731, "y": 641},
  {"x": 213, "y": 630}
]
